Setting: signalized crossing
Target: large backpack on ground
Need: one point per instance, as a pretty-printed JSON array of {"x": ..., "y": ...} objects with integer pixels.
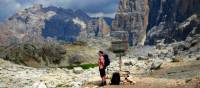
[
  {"x": 115, "y": 79},
  {"x": 107, "y": 60}
]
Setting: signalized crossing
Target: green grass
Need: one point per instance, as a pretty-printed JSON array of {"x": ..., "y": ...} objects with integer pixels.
[
  {"x": 87, "y": 66},
  {"x": 84, "y": 66}
]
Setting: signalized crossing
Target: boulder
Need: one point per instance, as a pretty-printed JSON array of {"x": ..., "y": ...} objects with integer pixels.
[
  {"x": 150, "y": 55},
  {"x": 177, "y": 59},
  {"x": 39, "y": 85},
  {"x": 160, "y": 46},
  {"x": 78, "y": 70},
  {"x": 76, "y": 59},
  {"x": 168, "y": 59},
  {"x": 143, "y": 58},
  {"x": 156, "y": 65},
  {"x": 130, "y": 80},
  {"x": 198, "y": 58},
  {"x": 128, "y": 63}
]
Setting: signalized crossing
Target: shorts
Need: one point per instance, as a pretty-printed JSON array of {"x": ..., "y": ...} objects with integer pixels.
[{"x": 102, "y": 72}]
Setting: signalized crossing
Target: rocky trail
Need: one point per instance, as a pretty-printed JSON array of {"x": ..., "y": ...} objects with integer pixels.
[
  {"x": 184, "y": 74},
  {"x": 145, "y": 67},
  {"x": 160, "y": 40},
  {"x": 171, "y": 75},
  {"x": 18, "y": 76}
]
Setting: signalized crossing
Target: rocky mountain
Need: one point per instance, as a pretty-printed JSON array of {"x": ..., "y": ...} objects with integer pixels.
[
  {"x": 53, "y": 64},
  {"x": 159, "y": 19},
  {"x": 132, "y": 16},
  {"x": 66, "y": 24},
  {"x": 166, "y": 17},
  {"x": 26, "y": 37},
  {"x": 24, "y": 25},
  {"x": 38, "y": 23},
  {"x": 98, "y": 27}
]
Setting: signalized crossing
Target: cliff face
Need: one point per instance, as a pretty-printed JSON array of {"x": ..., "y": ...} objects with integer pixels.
[
  {"x": 25, "y": 25},
  {"x": 166, "y": 16},
  {"x": 132, "y": 16},
  {"x": 40, "y": 23},
  {"x": 159, "y": 19},
  {"x": 98, "y": 27}
]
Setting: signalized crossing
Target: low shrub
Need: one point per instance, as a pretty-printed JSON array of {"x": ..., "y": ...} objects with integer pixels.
[{"x": 84, "y": 66}]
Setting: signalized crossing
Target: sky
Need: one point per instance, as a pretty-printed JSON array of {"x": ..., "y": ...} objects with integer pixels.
[{"x": 94, "y": 8}]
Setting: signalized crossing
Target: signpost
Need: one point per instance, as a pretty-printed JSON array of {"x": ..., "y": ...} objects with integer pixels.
[{"x": 119, "y": 44}]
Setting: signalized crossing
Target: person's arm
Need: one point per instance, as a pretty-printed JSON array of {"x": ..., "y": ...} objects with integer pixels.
[{"x": 99, "y": 63}]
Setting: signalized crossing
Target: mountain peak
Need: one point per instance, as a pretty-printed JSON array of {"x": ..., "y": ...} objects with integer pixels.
[{"x": 84, "y": 16}]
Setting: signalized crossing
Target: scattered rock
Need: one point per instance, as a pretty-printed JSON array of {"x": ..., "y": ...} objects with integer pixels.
[
  {"x": 150, "y": 55},
  {"x": 39, "y": 85},
  {"x": 188, "y": 80},
  {"x": 177, "y": 59},
  {"x": 129, "y": 63},
  {"x": 122, "y": 79},
  {"x": 198, "y": 58},
  {"x": 77, "y": 70},
  {"x": 130, "y": 79},
  {"x": 76, "y": 59},
  {"x": 168, "y": 60},
  {"x": 156, "y": 65},
  {"x": 143, "y": 58},
  {"x": 160, "y": 46}
]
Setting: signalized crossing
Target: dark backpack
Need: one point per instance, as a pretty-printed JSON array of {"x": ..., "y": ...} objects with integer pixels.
[
  {"x": 115, "y": 79},
  {"x": 107, "y": 60}
]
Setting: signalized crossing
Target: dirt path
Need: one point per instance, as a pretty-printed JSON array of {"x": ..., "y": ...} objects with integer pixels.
[
  {"x": 146, "y": 83},
  {"x": 180, "y": 70},
  {"x": 171, "y": 75}
]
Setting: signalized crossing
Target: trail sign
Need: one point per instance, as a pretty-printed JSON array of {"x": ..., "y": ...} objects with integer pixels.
[
  {"x": 119, "y": 47},
  {"x": 119, "y": 44},
  {"x": 119, "y": 41}
]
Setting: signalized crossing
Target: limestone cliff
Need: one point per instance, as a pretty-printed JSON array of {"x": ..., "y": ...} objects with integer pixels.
[
  {"x": 165, "y": 16},
  {"x": 132, "y": 16},
  {"x": 98, "y": 27}
]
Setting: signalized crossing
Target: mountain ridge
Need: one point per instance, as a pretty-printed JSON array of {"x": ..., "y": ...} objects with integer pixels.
[{"x": 51, "y": 22}]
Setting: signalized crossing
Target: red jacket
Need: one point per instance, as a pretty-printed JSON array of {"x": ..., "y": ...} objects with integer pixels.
[{"x": 101, "y": 62}]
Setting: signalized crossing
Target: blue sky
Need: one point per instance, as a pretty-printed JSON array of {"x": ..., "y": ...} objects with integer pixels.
[{"x": 92, "y": 7}]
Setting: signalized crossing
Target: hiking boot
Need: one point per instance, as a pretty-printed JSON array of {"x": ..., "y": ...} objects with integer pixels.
[{"x": 104, "y": 83}]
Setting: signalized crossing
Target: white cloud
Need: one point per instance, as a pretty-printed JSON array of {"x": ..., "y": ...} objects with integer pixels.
[
  {"x": 101, "y": 14},
  {"x": 80, "y": 22},
  {"x": 95, "y": 7}
]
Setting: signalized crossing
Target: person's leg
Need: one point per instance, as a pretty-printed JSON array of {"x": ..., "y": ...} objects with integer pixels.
[
  {"x": 104, "y": 80},
  {"x": 102, "y": 77}
]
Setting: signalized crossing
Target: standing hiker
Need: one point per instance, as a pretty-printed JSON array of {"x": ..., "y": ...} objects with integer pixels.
[
  {"x": 102, "y": 67},
  {"x": 104, "y": 61}
]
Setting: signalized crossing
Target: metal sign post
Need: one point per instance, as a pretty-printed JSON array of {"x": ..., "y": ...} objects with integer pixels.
[{"x": 120, "y": 62}]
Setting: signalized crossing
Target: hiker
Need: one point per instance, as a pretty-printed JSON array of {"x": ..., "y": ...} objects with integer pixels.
[{"x": 102, "y": 68}]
